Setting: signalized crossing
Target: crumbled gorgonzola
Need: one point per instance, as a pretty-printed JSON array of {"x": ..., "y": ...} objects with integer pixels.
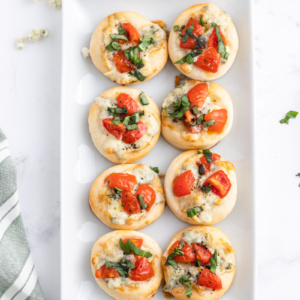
[
  {"x": 85, "y": 52},
  {"x": 33, "y": 36}
]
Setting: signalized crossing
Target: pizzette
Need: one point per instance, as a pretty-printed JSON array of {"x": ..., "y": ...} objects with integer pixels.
[
  {"x": 199, "y": 263},
  {"x": 127, "y": 196},
  {"x": 196, "y": 115},
  {"x": 203, "y": 42},
  {"x": 124, "y": 124},
  {"x": 201, "y": 187},
  {"x": 128, "y": 48},
  {"x": 127, "y": 265}
]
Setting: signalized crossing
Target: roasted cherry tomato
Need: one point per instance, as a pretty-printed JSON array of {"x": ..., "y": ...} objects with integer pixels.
[
  {"x": 209, "y": 280},
  {"x": 116, "y": 130},
  {"x": 203, "y": 161},
  {"x": 143, "y": 270},
  {"x": 219, "y": 182},
  {"x": 123, "y": 64},
  {"x": 213, "y": 39},
  {"x": 184, "y": 183},
  {"x": 148, "y": 194},
  {"x": 130, "y": 203},
  {"x": 198, "y": 29},
  {"x": 189, "y": 253},
  {"x": 121, "y": 181},
  {"x": 128, "y": 102},
  {"x": 104, "y": 272},
  {"x": 198, "y": 94},
  {"x": 220, "y": 116},
  {"x": 132, "y": 33},
  {"x": 209, "y": 60},
  {"x": 137, "y": 242},
  {"x": 202, "y": 253},
  {"x": 131, "y": 136},
  {"x": 188, "y": 118}
]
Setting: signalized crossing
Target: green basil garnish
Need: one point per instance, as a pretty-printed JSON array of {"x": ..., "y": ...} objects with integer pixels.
[
  {"x": 118, "y": 267},
  {"x": 201, "y": 21},
  {"x": 192, "y": 54},
  {"x": 130, "y": 247},
  {"x": 138, "y": 75},
  {"x": 193, "y": 211},
  {"x": 170, "y": 259},
  {"x": 132, "y": 127},
  {"x": 118, "y": 191},
  {"x": 155, "y": 169},
  {"x": 186, "y": 281},
  {"x": 175, "y": 27},
  {"x": 214, "y": 262},
  {"x": 188, "y": 30},
  {"x": 145, "y": 43},
  {"x": 208, "y": 155},
  {"x": 142, "y": 202},
  {"x": 117, "y": 110},
  {"x": 209, "y": 123},
  {"x": 143, "y": 99},
  {"x": 114, "y": 196},
  {"x": 197, "y": 263},
  {"x": 113, "y": 46},
  {"x": 116, "y": 120},
  {"x": 195, "y": 110},
  {"x": 206, "y": 188},
  {"x": 122, "y": 30},
  {"x": 221, "y": 45},
  {"x": 288, "y": 116},
  {"x": 115, "y": 36},
  {"x": 200, "y": 119}
]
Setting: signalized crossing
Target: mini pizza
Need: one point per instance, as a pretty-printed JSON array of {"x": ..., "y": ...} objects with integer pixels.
[
  {"x": 203, "y": 42},
  {"x": 198, "y": 264},
  {"x": 128, "y": 48},
  {"x": 196, "y": 115},
  {"x": 128, "y": 196},
  {"x": 127, "y": 265},
  {"x": 124, "y": 124},
  {"x": 201, "y": 187}
]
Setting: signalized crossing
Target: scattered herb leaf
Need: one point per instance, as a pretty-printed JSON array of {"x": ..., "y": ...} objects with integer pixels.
[
  {"x": 288, "y": 116},
  {"x": 193, "y": 211},
  {"x": 143, "y": 99},
  {"x": 142, "y": 202}
]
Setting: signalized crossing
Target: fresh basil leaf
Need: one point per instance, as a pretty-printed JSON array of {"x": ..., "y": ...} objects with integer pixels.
[
  {"x": 181, "y": 85},
  {"x": 189, "y": 59},
  {"x": 175, "y": 28},
  {"x": 208, "y": 155},
  {"x": 182, "y": 27},
  {"x": 193, "y": 54},
  {"x": 185, "y": 100},
  {"x": 142, "y": 202},
  {"x": 171, "y": 262},
  {"x": 200, "y": 119},
  {"x": 298, "y": 174},
  {"x": 137, "y": 251},
  {"x": 113, "y": 46},
  {"x": 122, "y": 272},
  {"x": 137, "y": 61},
  {"x": 201, "y": 169},
  {"x": 142, "y": 113},
  {"x": 188, "y": 30},
  {"x": 288, "y": 116},
  {"x": 138, "y": 75},
  {"x": 114, "y": 196},
  {"x": 206, "y": 188},
  {"x": 124, "y": 247},
  {"x": 128, "y": 263},
  {"x": 221, "y": 45},
  {"x": 132, "y": 127},
  {"x": 198, "y": 152},
  {"x": 145, "y": 43},
  {"x": 118, "y": 37},
  {"x": 193, "y": 211},
  {"x": 209, "y": 123},
  {"x": 135, "y": 118},
  {"x": 155, "y": 169},
  {"x": 116, "y": 120},
  {"x": 201, "y": 21},
  {"x": 117, "y": 110},
  {"x": 197, "y": 263},
  {"x": 186, "y": 281},
  {"x": 118, "y": 191},
  {"x": 214, "y": 262},
  {"x": 122, "y": 30},
  {"x": 170, "y": 259},
  {"x": 143, "y": 99},
  {"x": 195, "y": 110}
]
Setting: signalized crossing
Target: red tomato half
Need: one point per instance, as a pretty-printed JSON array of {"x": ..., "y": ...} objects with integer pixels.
[
  {"x": 220, "y": 183},
  {"x": 202, "y": 253},
  {"x": 213, "y": 39},
  {"x": 206, "y": 164},
  {"x": 104, "y": 272},
  {"x": 116, "y": 130},
  {"x": 189, "y": 253},
  {"x": 121, "y": 181},
  {"x": 132, "y": 33},
  {"x": 198, "y": 29},
  {"x": 148, "y": 194},
  {"x": 210, "y": 280},
  {"x": 220, "y": 116},
  {"x": 128, "y": 102},
  {"x": 184, "y": 183},
  {"x": 143, "y": 270},
  {"x": 123, "y": 64},
  {"x": 130, "y": 203},
  {"x": 209, "y": 60},
  {"x": 137, "y": 242},
  {"x": 198, "y": 94},
  {"x": 131, "y": 136},
  {"x": 191, "y": 118}
]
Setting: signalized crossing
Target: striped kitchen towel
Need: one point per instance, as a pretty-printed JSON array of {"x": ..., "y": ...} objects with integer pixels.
[{"x": 18, "y": 279}]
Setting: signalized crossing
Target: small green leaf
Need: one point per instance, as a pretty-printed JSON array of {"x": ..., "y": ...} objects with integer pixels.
[
  {"x": 113, "y": 46},
  {"x": 198, "y": 263},
  {"x": 198, "y": 152},
  {"x": 114, "y": 196},
  {"x": 189, "y": 59},
  {"x": 221, "y": 45},
  {"x": 142, "y": 202},
  {"x": 122, "y": 30},
  {"x": 298, "y": 174},
  {"x": 186, "y": 281},
  {"x": 185, "y": 100},
  {"x": 137, "y": 251},
  {"x": 201, "y": 21},
  {"x": 175, "y": 27},
  {"x": 200, "y": 119},
  {"x": 145, "y": 43},
  {"x": 188, "y": 30},
  {"x": 209, "y": 123},
  {"x": 118, "y": 191},
  {"x": 117, "y": 110},
  {"x": 192, "y": 54},
  {"x": 195, "y": 110},
  {"x": 193, "y": 211},
  {"x": 138, "y": 75},
  {"x": 291, "y": 114},
  {"x": 214, "y": 262},
  {"x": 124, "y": 247},
  {"x": 132, "y": 127},
  {"x": 155, "y": 169},
  {"x": 118, "y": 37},
  {"x": 206, "y": 188},
  {"x": 116, "y": 120},
  {"x": 143, "y": 99},
  {"x": 208, "y": 155}
]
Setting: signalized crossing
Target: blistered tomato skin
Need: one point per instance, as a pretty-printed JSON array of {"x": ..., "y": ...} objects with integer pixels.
[
  {"x": 198, "y": 29},
  {"x": 184, "y": 183},
  {"x": 115, "y": 130},
  {"x": 130, "y": 203},
  {"x": 123, "y": 64},
  {"x": 209, "y": 60},
  {"x": 202, "y": 253},
  {"x": 131, "y": 33},
  {"x": 143, "y": 270},
  {"x": 219, "y": 182},
  {"x": 131, "y": 136},
  {"x": 220, "y": 116},
  {"x": 148, "y": 194},
  {"x": 121, "y": 181},
  {"x": 104, "y": 272},
  {"x": 124, "y": 100},
  {"x": 198, "y": 94},
  {"x": 207, "y": 165},
  {"x": 209, "y": 280}
]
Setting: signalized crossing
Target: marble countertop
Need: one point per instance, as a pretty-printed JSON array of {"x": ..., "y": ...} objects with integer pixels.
[{"x": 30, "y": 117}]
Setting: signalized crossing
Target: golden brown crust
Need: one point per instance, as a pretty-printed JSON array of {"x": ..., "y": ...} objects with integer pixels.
[
  {"x": 217, "y": 240},
  {"x": 177, "y": 134},
  {"x": 179, "y": 205},
  {"x": 100, "y": 39},
  {"x": 211, "y": 13},
  {"x": 99, "y": 200},
  {"x": 101, "y": 136},
  {"x": 109, "y": 243}
]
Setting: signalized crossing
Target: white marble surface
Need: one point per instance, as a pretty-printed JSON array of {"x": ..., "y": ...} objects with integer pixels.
[{"x": 29, "y": 115}]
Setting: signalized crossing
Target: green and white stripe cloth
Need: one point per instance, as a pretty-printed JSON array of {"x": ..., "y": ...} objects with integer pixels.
[{"x": 18, "y": 279}]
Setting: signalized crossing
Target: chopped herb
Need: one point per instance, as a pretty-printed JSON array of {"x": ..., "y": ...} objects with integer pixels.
[
  {"x": 118, "y": 191},
  {"x": 181, "y": 85},
  {"x": 186, "y": 281},
  {"x": 182, "y": 27},
  {"x": 200, "y": 119},
  {"x": 214, "y": 262},
  {"x": 206, "y": 188},
  {"x": 145, "y": 43},
  {"x": 208, "y": 155},
  {"x": 175, "y": 27},
  {"x": 298, "y": 174},
  {"x": 155, "y": 169},
  {"x": 192, "y": 54},
  {"x": 116, "y": 120},
  {"x": 189, "y": 59},
  {"x": 135, "y": 118},
  {"x": 198, "y": 152},
  {"x": 118, "y": 267},
  {"x": 201, "y": 21},
  {"x": 195, "y": 110},
  {"x": 176, "y": 251},
  {"x": 128, "y": 263},
  {"x": 138, "y": 75},
  {"x": 118, "y": 37},
  {"x": 185, "y": 100},
  {"x": 132, "y": 127},
  {"x": 188, "y": 30},
  {"x": 113, "y": 46},
  {"x": 131, "y": 247},
  {"x": 142, "y": 202},
  {"x": 221, "y": 45},
  {"x": 143, "y": 99},
  {"x": 229, "y": 267},
  {"x": 124, "y": 247},
  {"x": 137, "y": 61},
  {"x": 117, "y": 110},
  {"x": 288, "y": 116},
  {"x": 114, "y": 196},
  {"x": 209, "y": 123},
  {"x": 198, "y": 263},
  {"x": 193, "y": 211},
  {"x": 201, "y": 169},
  {"x": 122, "y": 30}
]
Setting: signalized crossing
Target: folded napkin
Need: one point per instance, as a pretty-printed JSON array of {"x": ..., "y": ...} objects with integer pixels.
[{"x": 18, "y": 279}]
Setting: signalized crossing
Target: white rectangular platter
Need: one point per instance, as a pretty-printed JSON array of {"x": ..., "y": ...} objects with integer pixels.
[{"x": 81, "y": 163}]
